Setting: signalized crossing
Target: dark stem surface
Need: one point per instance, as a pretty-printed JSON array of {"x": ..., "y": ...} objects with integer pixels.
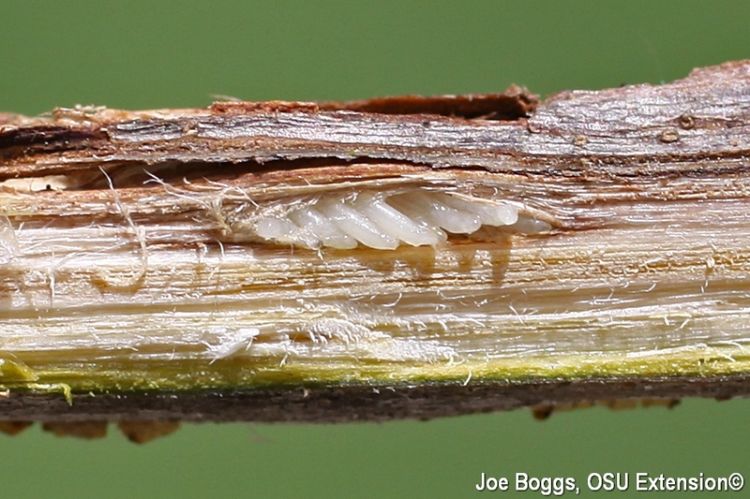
[{"x": 358, "y": 403}]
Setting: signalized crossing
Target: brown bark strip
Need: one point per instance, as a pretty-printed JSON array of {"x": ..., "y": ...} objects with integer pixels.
[{"x": 621, "y": 132}]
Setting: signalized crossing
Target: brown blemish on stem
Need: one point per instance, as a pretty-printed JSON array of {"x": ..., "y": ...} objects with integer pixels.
[
  {"x": 542, "y": 412},
  {"x": 13, "y": 428},
  {"x": 141, "y": 432}
]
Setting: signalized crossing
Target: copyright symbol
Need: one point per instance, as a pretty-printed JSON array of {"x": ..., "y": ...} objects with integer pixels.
[{"x": 736, "y": 482}]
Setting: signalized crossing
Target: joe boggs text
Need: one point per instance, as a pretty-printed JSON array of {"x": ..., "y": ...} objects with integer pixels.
[{"x": 606, "y": 481}]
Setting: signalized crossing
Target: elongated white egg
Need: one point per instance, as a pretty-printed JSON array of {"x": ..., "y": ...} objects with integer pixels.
[
  {"x": 490, "y": 212},
  {"x": 312, "y": 220},
  {"x": 356, "y": 225},
  {"x": 442, "y": 215},
  {"x": 281, "y": 229},
  {"x": 393, "y": 222}
]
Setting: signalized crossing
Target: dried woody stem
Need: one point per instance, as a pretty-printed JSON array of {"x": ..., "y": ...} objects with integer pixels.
[{"x": 404, "y": 257}]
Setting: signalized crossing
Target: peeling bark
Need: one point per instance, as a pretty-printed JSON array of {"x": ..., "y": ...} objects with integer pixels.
[{"x": 643, "y": 188}]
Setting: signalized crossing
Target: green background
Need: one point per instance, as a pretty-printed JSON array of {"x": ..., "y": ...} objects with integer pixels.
[{"x": 145, "y": 54}]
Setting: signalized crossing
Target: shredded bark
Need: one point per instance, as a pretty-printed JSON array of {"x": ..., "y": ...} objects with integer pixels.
[
  {"x": 624, "y": 132},
  {"x": 634, "y": 136}
]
